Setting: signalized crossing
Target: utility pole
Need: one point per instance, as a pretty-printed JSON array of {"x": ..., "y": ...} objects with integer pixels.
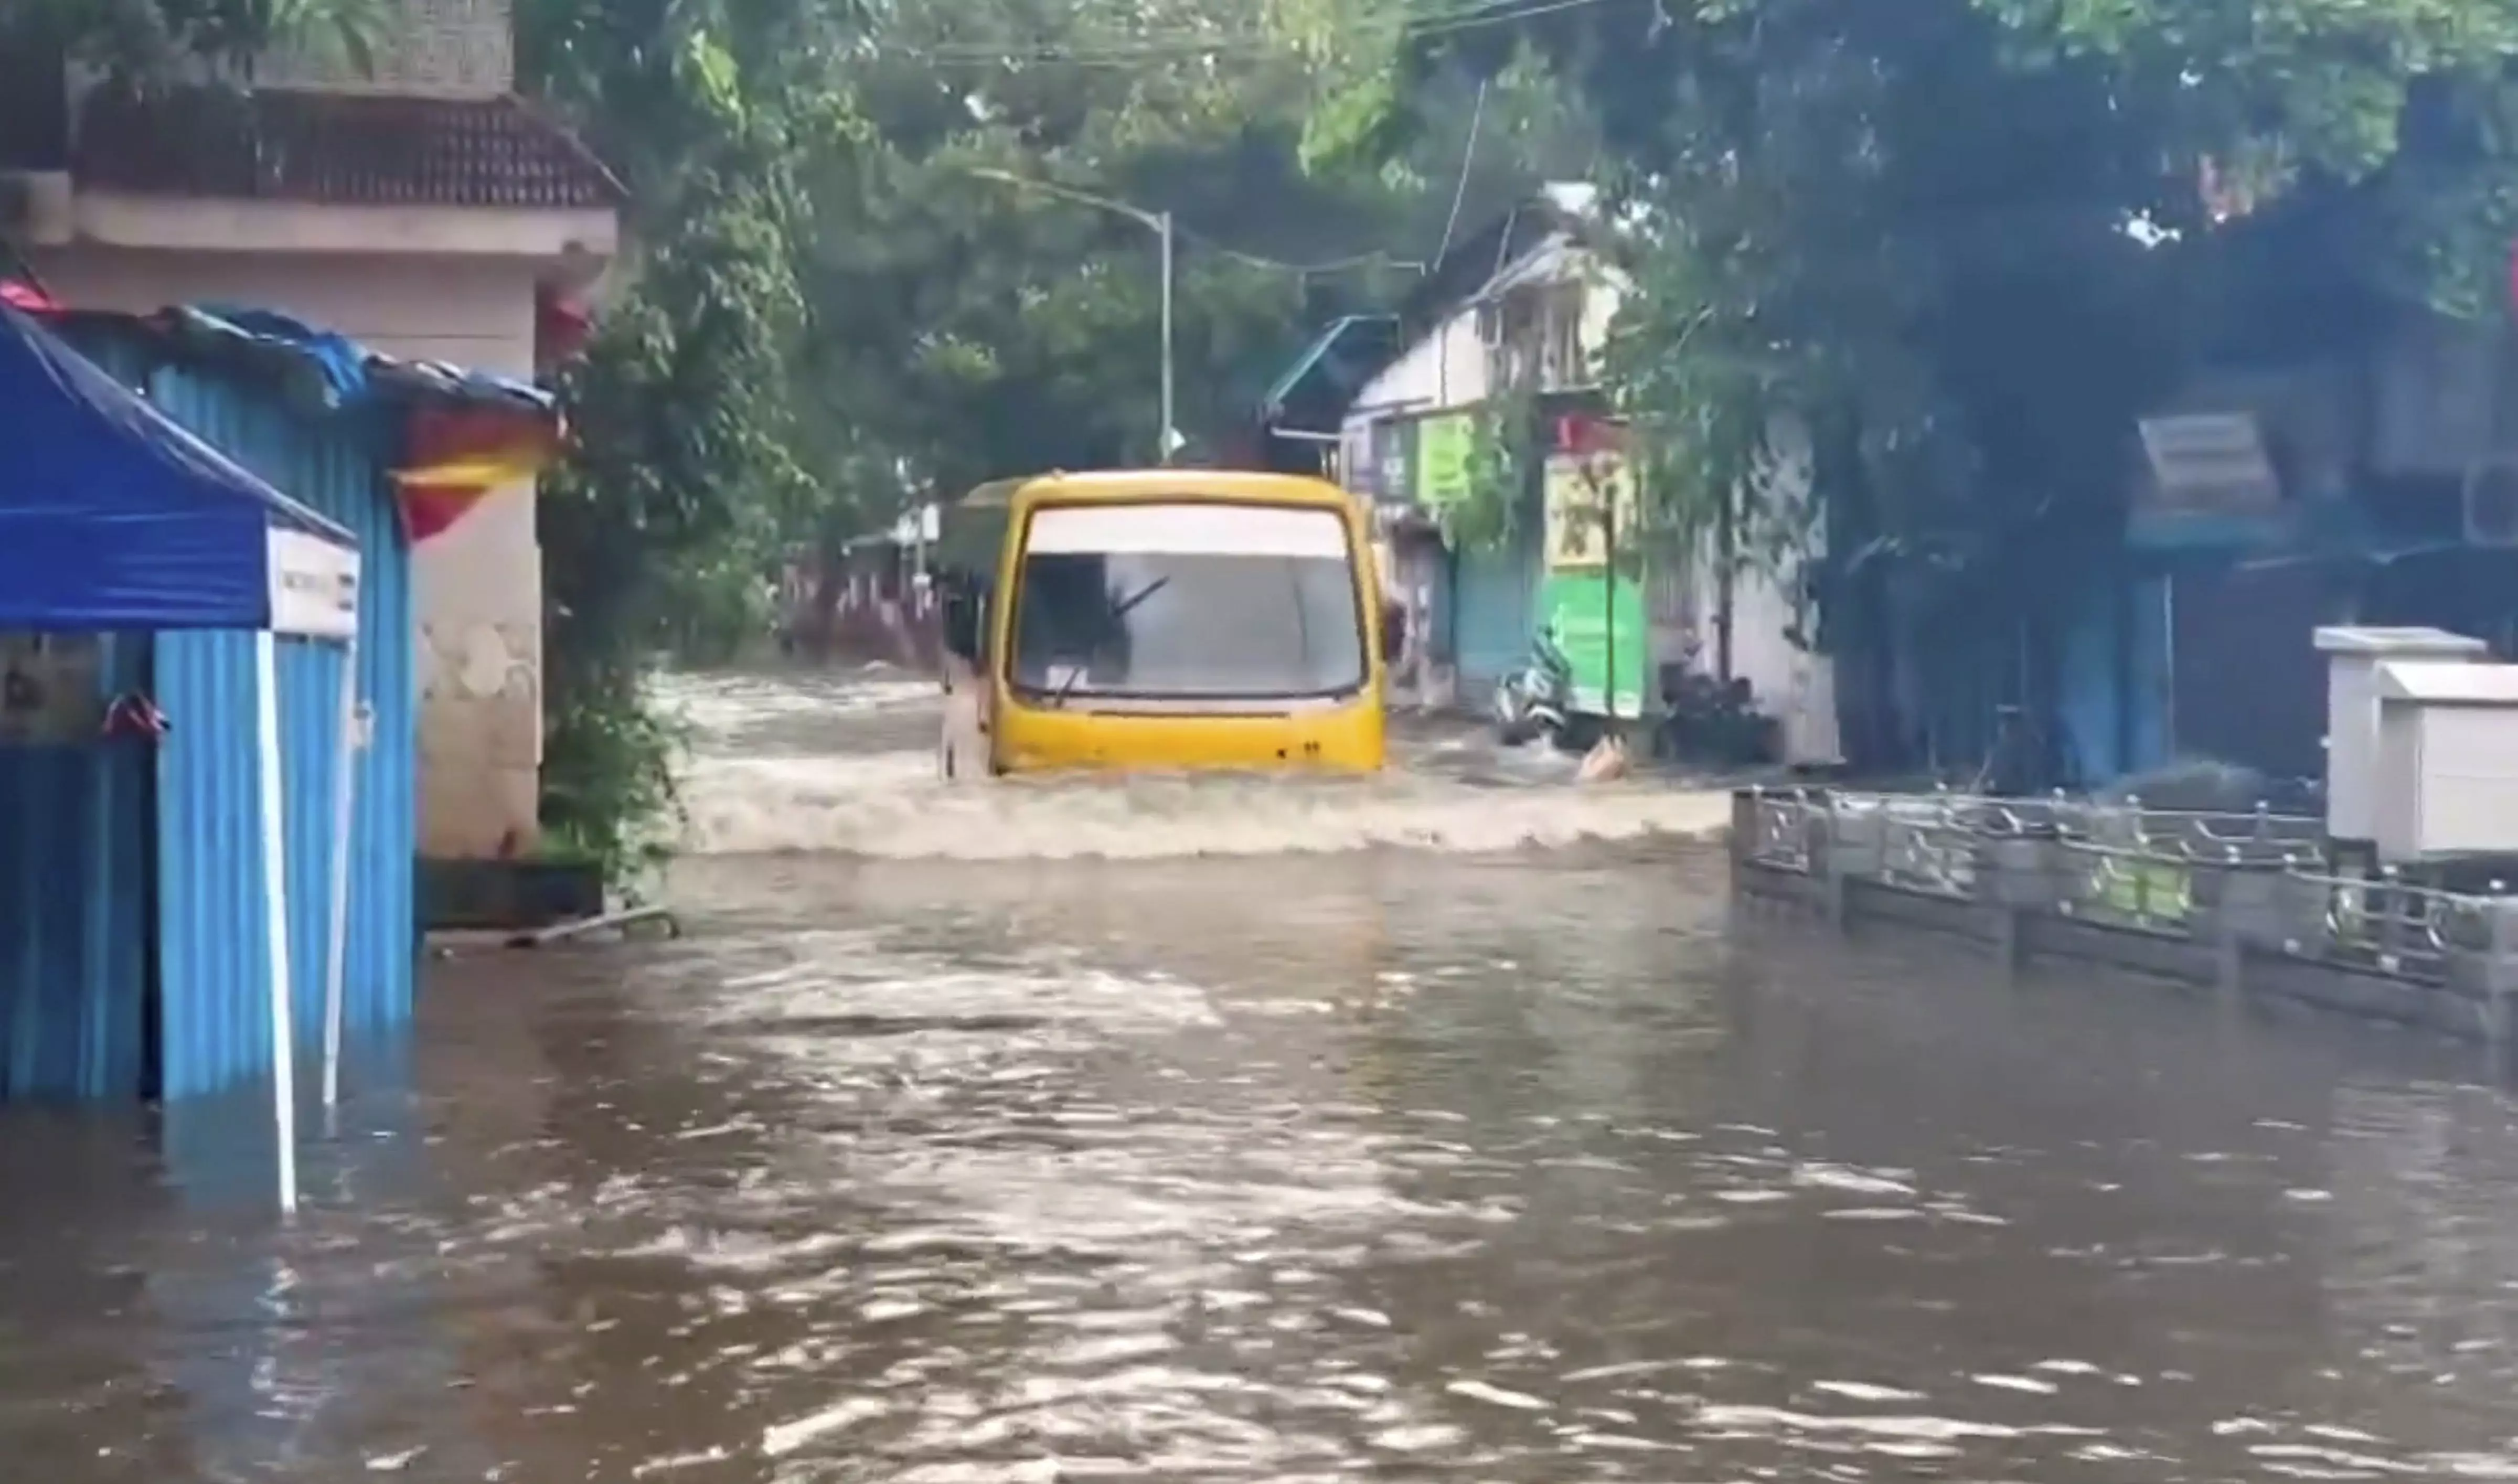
[
  {"x": 1606, "y": 493},
  {"x": 1164, "y": 225},
  {"x": 1157, "y": 222}
]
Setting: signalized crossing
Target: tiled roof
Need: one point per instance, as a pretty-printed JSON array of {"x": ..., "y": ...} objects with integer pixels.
[{"x": 335, "y": 149}]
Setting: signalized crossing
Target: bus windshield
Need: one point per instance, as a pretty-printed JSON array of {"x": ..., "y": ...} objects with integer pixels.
[{"x": 1188, "y": 601}]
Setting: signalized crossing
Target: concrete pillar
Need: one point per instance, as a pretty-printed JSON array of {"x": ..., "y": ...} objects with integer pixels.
[
  {"x": 1854, "y": 848},
  {"x": 2014, "y": 878},
  {"x": 2246, "y": 918},
  {"x": 2008, "y": 949},
  {"x": 2497, "y": 983},
  {"x": 1745, "y": 811}
]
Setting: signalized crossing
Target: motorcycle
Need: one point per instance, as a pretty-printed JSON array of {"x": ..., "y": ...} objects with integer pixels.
[
  {"x": 1538, "y": 699},
  {"x": 1712, "y": 721}
]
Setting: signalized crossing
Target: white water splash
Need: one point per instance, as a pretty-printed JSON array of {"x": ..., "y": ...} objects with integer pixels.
[{"x": 816, "y": 766}]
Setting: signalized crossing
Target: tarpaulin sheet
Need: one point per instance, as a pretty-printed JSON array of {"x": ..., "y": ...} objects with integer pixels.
[
  {"x": 467, "y": 434},
  {"x": 111, "y": 517},
  {"x": 344, "y": 375}
]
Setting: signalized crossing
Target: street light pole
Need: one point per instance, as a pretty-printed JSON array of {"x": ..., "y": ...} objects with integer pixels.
[
  {"x": 1157, "y": 222},
  {"x": 1165, "y": 225}
]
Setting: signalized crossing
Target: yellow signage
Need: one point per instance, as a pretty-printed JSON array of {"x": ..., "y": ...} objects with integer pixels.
[{"x": 1590, "y": 497}]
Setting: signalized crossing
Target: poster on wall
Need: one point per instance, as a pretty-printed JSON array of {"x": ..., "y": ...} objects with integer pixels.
[
  {"x": 1394, "y": 460},
  {"x": 48, "y": 690},
  {"x": 1597, "y": 626},
  {"x": 1443, "y": 459},
  {"x": 1587, "y": 496}
]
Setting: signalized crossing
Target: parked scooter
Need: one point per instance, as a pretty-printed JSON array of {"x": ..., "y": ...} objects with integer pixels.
[{"x": 1538, "y": 699}]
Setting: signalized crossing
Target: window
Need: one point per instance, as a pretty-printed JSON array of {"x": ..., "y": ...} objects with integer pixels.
[
  {"x": 1562, "y": 361},
  {"x": 1187, "y": 601}
]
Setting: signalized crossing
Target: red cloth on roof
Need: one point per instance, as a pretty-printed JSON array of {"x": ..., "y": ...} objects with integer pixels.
[{"x": 26, "y": 298}]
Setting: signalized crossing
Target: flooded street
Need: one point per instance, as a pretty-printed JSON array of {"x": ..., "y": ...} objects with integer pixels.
[{"x": 945, "y": 1148}]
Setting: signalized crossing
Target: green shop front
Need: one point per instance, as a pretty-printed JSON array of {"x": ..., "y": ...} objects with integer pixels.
[
  {"x": 1591, "y": 567},
  {"x": 1475, "y": 604}
]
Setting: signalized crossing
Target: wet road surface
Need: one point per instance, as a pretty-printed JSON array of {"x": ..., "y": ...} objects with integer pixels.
[{"x": 1374, "y": 1164}]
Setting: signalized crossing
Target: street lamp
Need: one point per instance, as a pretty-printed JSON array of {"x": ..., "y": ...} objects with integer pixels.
[{"x": 1160, "y": 223}]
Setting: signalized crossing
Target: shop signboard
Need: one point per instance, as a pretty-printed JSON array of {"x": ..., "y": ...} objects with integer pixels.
[
  {"x": 1587, "y": 614},
  {"x": 1394, "y": 460},
  {"x": 1590, "y": 499},
  {"x": 1445, "y": 455}
]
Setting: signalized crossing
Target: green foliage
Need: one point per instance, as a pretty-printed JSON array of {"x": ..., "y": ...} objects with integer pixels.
[
  {"x": 1906, "y": 227},
  {"x": 608, "y": 793},
  {"x": 1962, "y": 244},
  {"x": 683, "y": 471},
  {"x": 143, "y": 42},
  {"x": 1504, "y": 461}
]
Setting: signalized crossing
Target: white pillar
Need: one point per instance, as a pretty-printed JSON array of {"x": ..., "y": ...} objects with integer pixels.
[
  {"x": 274, "y": 893},
  {"x": 344, "y": 800}
]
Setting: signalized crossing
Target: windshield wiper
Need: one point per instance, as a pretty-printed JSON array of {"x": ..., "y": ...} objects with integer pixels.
[
  {"x": 1122, "y": 609},
  {"x": 1119, "y": 610}
]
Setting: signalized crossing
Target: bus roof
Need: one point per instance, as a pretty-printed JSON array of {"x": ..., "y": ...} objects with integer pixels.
[
  {"x": 1123, "y": 486},
  {"x": 974, "y": 526}
]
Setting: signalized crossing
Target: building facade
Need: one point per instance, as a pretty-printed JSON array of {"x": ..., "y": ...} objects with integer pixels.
[{"x": 1529, "y": 320}]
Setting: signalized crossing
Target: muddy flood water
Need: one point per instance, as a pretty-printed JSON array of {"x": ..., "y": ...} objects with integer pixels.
[{"x": 940, "y": 1152}]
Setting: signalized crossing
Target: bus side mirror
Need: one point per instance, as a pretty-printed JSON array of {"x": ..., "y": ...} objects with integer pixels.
[
  {"x": 962, "y": 628},
  {"x": 1394, "y": 633}
]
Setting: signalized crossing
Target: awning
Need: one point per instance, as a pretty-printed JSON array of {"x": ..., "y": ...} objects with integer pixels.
[
  {"x": 112, "y": 516},
  {"x": 1333, "y": 367}
]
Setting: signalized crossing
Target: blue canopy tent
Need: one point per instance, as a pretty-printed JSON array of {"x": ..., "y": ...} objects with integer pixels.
[{"x": 113, "y": 519}]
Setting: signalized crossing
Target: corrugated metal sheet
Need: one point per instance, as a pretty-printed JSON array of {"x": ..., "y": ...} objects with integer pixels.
[
  {"x": 210, "y": 787},
  {"x": 1495, "y": 603},
  {"x": 334, "y": 469},
  {"x": 217, "y": 965},
  {"x": 311, "y": 676},
  {"x": 214, "y": 960},
  {"x": 73, "y": 897}
]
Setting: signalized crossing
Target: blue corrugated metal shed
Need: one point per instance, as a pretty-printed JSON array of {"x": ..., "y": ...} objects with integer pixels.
[
  {"x": 99, "y": 844},
  {"x": 73, "y": 859},
  {"x": 213, "y": 1035}
]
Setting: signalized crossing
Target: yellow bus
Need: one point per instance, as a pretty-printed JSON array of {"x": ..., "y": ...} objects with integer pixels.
[{"x": 1163, "y": 619}]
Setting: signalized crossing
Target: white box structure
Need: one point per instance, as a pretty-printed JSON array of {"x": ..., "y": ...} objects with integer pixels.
[
  {"x": 2353, "y": 656},
  {"x": 2448, "y": 760}
]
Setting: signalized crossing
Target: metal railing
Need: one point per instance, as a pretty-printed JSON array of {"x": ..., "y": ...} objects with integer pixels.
[
  {"x": 2386, "y": 923},
  {"x": 1934, "y": 855},
  {"x": 1927, "y": 829},
  {"x": 1781, "y": 828},
  {"x": 2162, "y": 871},
  {"x": 2134, "y": 887}
]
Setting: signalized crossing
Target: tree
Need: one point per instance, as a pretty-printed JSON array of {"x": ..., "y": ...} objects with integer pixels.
[
  {"x": 686, "y": 449},
  {"x": 143, "y": 41},
  {"x": 1965, "y": 243}
]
